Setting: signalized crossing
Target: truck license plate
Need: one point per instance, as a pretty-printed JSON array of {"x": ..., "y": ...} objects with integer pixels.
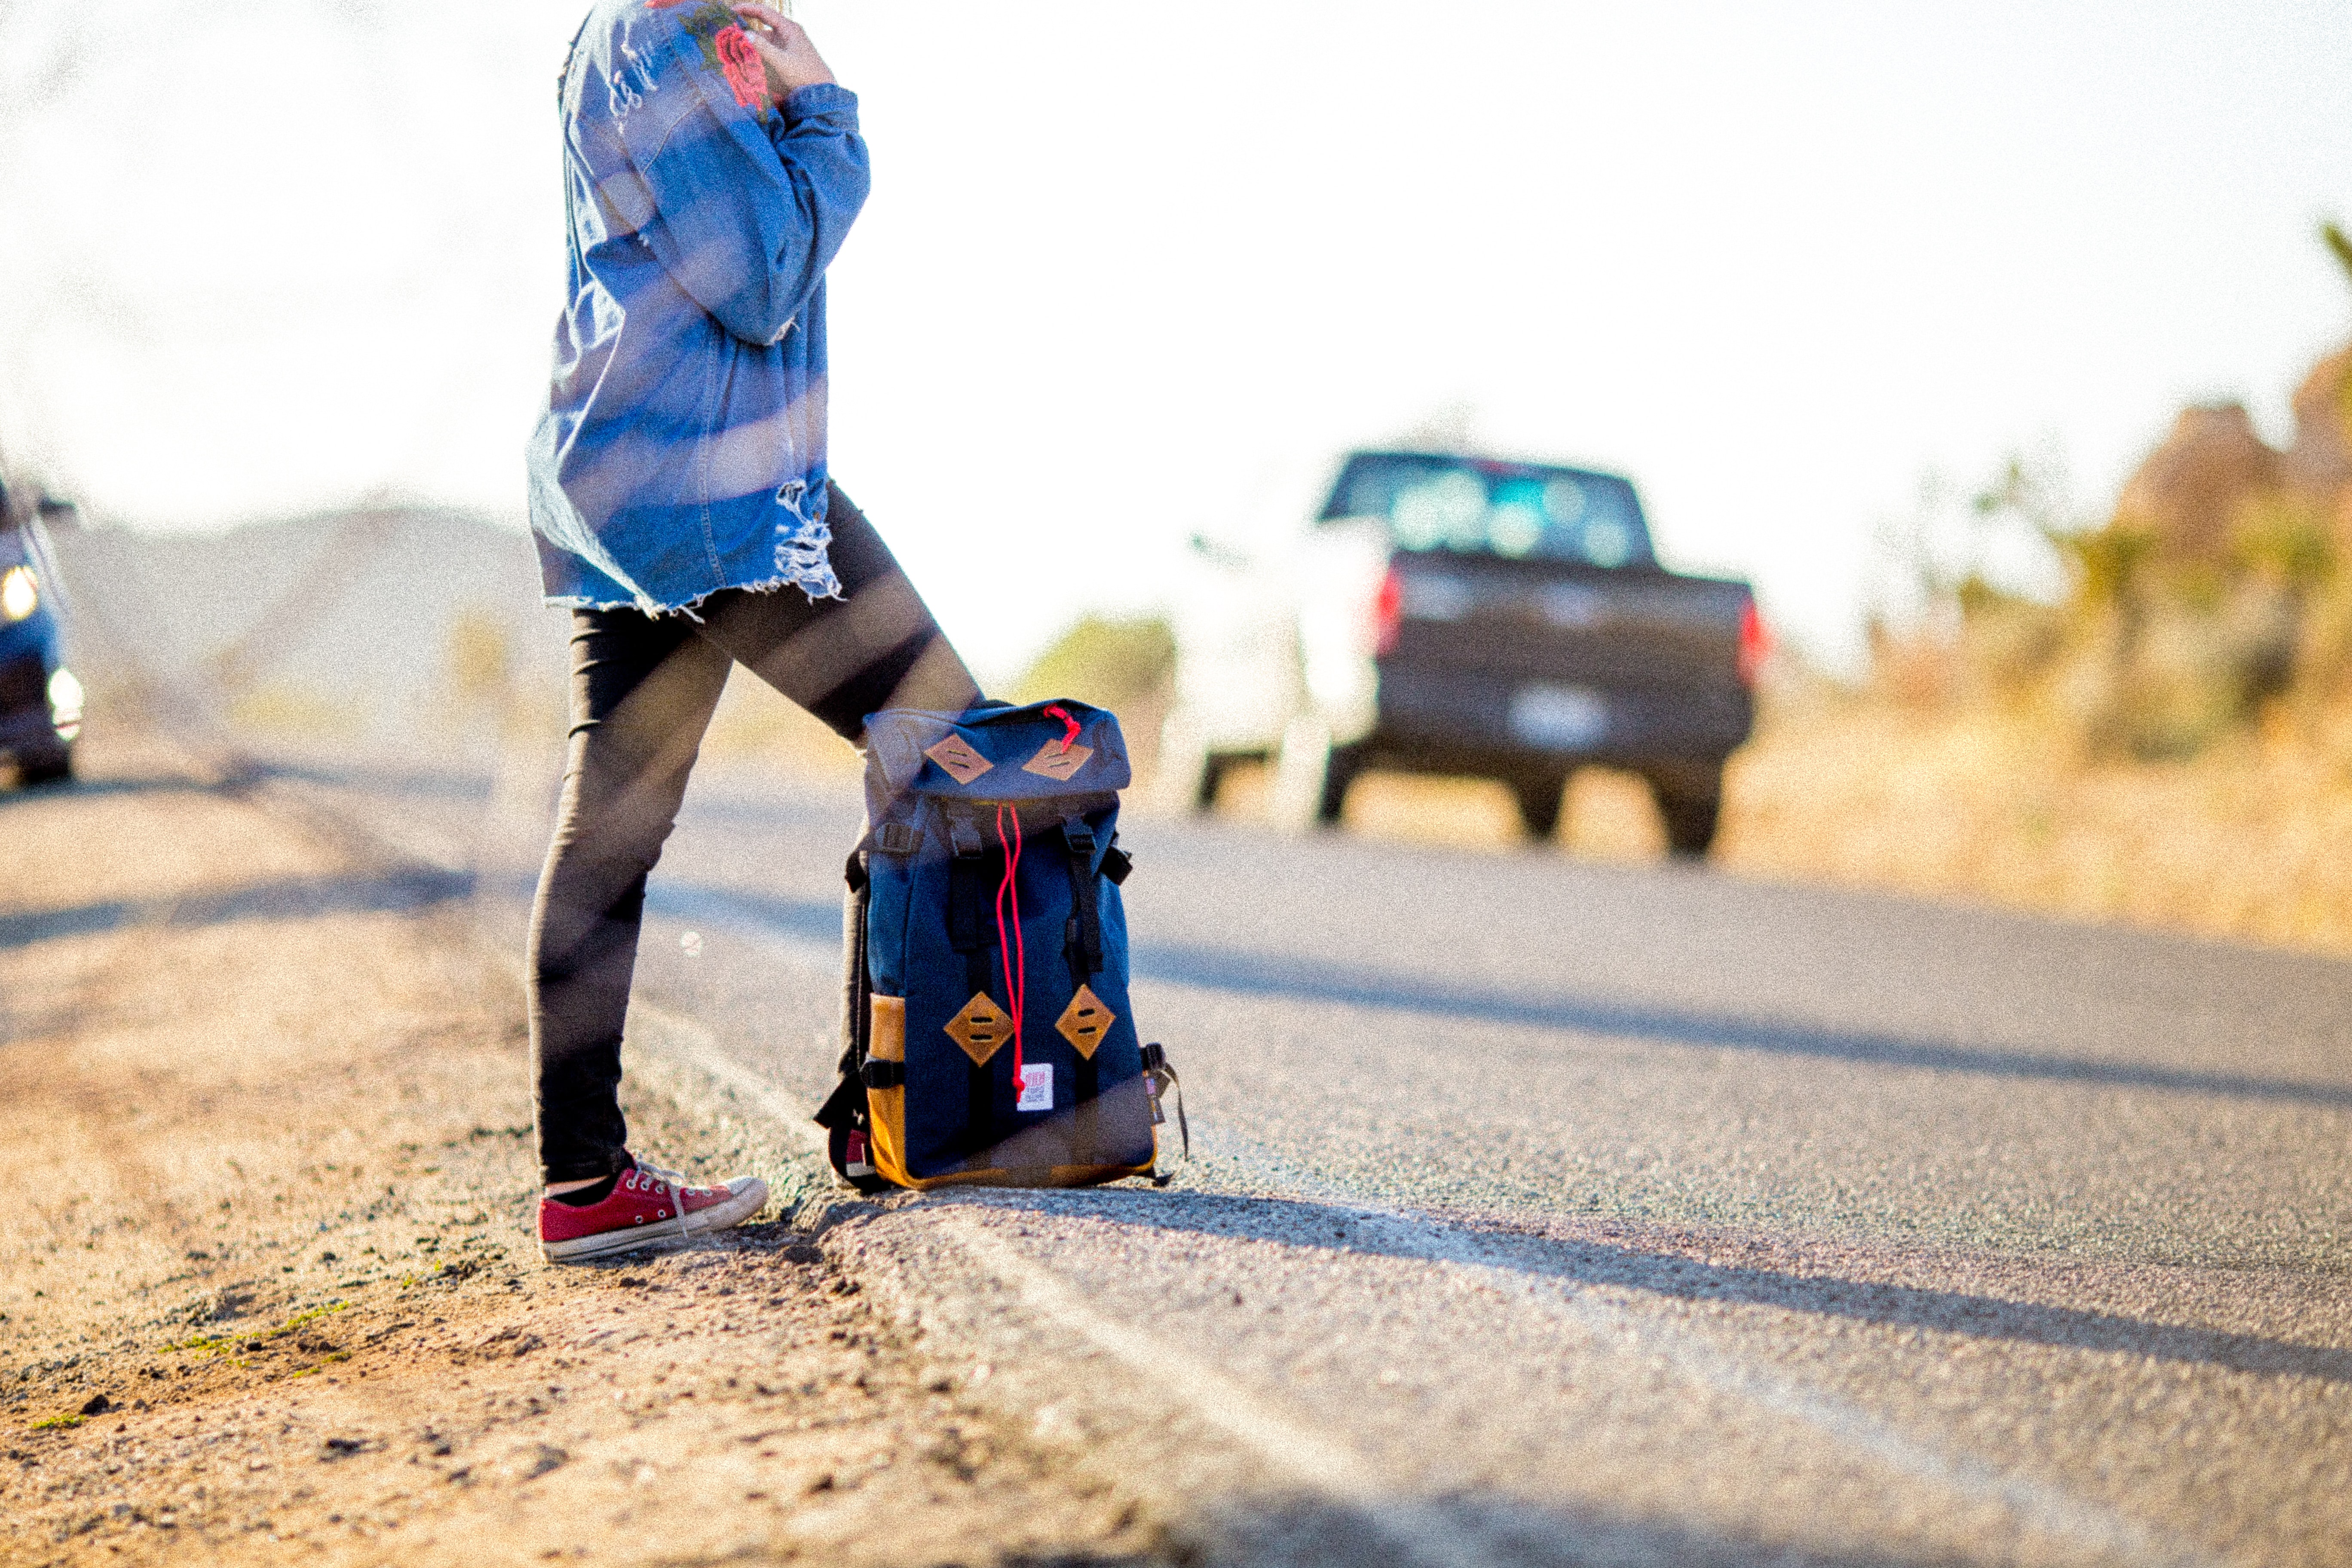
[{"x": 1558, "y": 718}]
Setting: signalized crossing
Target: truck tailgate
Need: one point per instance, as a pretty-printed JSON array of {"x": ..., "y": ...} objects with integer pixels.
[{"x": 1631, "y": 662}]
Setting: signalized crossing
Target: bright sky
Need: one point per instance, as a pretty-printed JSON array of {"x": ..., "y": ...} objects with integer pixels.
[{"x": 1130, "y": 272}]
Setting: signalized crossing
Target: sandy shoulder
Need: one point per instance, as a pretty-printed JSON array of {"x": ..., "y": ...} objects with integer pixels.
[{"x": 269, "y": 1107}]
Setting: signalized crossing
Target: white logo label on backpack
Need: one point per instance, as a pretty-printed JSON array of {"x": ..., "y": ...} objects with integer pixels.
[{"x": 1036, "y": 1087}]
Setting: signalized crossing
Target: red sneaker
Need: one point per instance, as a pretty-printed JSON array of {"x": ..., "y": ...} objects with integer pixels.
[{"x": 649, "y": 1207}]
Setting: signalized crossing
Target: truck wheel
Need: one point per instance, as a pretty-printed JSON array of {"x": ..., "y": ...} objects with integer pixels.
[
  {"x": 1340, "y": 771},
  {"x": 1311, "y": 776},
  {"x": 1539, "y": 796},
  {"x": 1210, "y": 775},
  {"x": 1690, "y": 816},
  {"x": 46, "y": 768}
]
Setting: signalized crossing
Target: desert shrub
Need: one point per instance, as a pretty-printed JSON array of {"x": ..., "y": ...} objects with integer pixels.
[
  {"x": 2150, "y": 652},
  {"x": 1115, "y": 664}
]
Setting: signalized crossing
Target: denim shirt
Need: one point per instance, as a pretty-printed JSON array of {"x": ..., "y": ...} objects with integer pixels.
[{"x": 683, "y": 446}]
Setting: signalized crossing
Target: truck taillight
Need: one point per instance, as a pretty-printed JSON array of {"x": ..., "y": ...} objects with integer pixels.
[
  {"x": 1755, "y": 644},
  {"x": 1388, "y": 612}
]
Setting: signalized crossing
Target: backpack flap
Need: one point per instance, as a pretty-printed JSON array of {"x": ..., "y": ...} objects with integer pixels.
[{"x": 1032, "y": 753}]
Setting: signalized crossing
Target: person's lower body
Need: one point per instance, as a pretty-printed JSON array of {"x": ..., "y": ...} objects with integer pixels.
[{"x": 642, "y": 690}]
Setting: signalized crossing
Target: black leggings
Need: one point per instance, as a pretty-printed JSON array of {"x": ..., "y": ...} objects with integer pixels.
[{"x": 642, "y": 690}]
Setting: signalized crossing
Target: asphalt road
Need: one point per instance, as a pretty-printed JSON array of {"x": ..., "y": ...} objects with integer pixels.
[{"x": 1546, "y": 1213}]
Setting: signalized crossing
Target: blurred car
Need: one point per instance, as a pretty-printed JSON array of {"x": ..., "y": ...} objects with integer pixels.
[
  {"x": 1462, "y": 615},
  {"x": 40, "y": 700}
]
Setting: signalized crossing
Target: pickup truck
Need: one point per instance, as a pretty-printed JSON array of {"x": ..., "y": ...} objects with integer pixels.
[{"x": 1464, "y": 616}]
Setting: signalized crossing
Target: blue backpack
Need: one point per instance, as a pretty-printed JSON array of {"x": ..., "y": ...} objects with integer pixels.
[{"x": 988, "y": 1037}]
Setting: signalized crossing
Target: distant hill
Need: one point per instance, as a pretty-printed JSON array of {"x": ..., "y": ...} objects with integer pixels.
[{"x": 367, "y": 621}]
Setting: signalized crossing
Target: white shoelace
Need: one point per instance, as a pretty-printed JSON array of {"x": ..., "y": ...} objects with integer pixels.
[{"x": 669, "y": 1184}]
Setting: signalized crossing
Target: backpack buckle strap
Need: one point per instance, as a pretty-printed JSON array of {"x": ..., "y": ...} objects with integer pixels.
[
  {"x": 890, "y": 839},
  {"x": 879, "y": 1073},
  {"x": 963, "y": 837}
]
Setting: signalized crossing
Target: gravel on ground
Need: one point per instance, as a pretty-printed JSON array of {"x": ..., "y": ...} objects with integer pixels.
[{"x": 268, "y": 1287}]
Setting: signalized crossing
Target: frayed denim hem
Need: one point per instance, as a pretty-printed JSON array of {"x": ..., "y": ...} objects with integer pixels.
[{"x": 820, "y": 584}]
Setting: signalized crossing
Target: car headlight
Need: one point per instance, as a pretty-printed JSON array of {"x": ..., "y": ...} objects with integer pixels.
[
  {"x": 20, "y": 593},
  {"x": 65, "y": 695}
]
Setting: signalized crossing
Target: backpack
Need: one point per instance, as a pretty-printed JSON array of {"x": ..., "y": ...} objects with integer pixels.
[{"x": 988, "y": 1038}]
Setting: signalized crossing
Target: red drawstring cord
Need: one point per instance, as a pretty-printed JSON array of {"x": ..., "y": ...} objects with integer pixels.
[{"x": 1016, "y": 957}]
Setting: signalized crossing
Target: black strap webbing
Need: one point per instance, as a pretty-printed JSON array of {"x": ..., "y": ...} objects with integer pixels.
[
  {"x": 968, "y": 889},
  {"x": 885, "y": 1074},
  {"x": 1082, "y": 942},
  {"x": 980, "y": 1107},
  {"x": 1085, "y": 1119},
  {"x": 970, "y": 931}
]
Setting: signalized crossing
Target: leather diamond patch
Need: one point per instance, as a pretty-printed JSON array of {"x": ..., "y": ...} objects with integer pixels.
[
  {"x": 979, "y": 1027},
  {"x": 1058, "y": 762},
  {"x": 1085, "y": 1021},
  {"x": 955, "y": 754}
]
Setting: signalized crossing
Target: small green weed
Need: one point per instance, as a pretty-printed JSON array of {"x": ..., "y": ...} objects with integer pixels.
[
  {"x": 208, "y": 1344},
  {"x": 310, "y": 1316}
]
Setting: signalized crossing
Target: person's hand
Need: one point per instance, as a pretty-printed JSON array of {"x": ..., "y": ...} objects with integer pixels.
[{"x": 792, "y": 61}]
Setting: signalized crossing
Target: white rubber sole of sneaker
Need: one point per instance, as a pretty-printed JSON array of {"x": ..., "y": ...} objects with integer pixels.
[{"x": 747, "y": 1195}]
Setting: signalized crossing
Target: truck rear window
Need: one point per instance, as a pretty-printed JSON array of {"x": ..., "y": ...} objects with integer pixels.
[{"x": 1473, "y": 507}]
